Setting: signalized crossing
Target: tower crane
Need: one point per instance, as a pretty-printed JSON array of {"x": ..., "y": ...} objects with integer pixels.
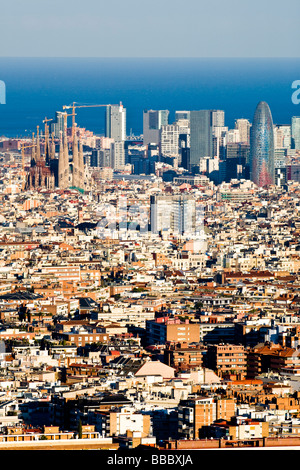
[
  {"x": 46, "y": 125},
  {"x": 75, "y": 105}
]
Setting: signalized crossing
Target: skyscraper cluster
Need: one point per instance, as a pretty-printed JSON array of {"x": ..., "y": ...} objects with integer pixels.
[{"x": 196, "y": 142}]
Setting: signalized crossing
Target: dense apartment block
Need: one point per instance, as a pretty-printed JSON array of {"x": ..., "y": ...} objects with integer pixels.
[
  {"x": 165, "y": 329},
  {"x": 196, "y": 414},
  {"x": 226, "y": 359}
]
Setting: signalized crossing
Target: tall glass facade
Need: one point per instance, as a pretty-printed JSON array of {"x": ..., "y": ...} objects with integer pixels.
[
  {"x": 262, "y": 146},
  {"x": 201, "y": 140}
]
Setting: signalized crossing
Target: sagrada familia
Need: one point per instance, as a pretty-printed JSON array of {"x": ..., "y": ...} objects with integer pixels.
[{"x": 46, "y": 171}]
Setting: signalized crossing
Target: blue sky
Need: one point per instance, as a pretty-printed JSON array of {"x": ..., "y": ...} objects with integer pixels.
[{"x": 157, "y": 28}]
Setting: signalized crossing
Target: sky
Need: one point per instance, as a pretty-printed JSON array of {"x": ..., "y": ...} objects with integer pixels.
[{"x": 154, "y": 28}]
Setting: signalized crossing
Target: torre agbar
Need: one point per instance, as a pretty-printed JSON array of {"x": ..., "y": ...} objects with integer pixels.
[{"x": 262, "y": 146}]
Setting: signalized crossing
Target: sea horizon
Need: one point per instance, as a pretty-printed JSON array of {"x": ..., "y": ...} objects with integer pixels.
[{"x": 36, "y": 87}]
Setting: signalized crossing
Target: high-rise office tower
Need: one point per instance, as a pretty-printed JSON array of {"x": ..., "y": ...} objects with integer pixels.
[
  {"x": 201, "y": 136},
  {"x": 237, "y": 158},
  {"x": 118, "y": 155},
  {"x": 296, "y": 132},
  {"x": 184, "y": 151},
  {"x": 262, "y": 146},
  {"x": 282, "y": 137},
  {"x": 116, "y": 130},
  {"x": 232, "y": 136},
  {"x": 169, "y": 140},
  {"x": 243, "y": 126},
  {"x": 101, "y": 158},
  {"x": 219, "y": 141},
  {"x": 116, "y": 122},
  {"x": 218, "y": 118},
  {"x": 153, "y": 120}
]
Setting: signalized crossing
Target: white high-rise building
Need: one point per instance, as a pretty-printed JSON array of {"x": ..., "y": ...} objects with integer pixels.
[
  {"x": 118, "y": 155},
  {"x": 218, "y": 118},
  {"x": 232, "y": 136},
  {"x": 116, "y": 122},
  {"x": 282, "y": 137},
  {"x": 243, "y": 126},
  {"x": 169, "y": 140},
  {"x": 219, "y": 139}
]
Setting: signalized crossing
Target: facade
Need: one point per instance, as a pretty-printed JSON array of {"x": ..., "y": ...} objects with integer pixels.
[
  {"x": 241, "y": 429},
  {"x": 41, "y": 173},
  {"x": 153, "y": 120},
  {"x": 101, "y": 158},
  {"x": 183, "y": 356},
  {"x": 282, "y": 137},
  {"x": 115, "y": 423},
  {"x": 162, "y": 330},
  {"x": 293, "y": 172},
  {"x": 237, "y": 158},
  {"x": 262, "y": 358},
  {"x": 218, "y": 118},
  {"x": 71, "y": 171},
  {"x": 176, "y": 214},
  {"x": 169, "y": 140},
  {"x": 195, "y": 414},
  {"x": 243, "y": 126},
  {"x": 262, "y": 146},
  {"x": 118, "y": 155},
  {"x": 201, "y": 138},
  {"x": 116, "y": 122},
  {"x": 225, "y": 358}
]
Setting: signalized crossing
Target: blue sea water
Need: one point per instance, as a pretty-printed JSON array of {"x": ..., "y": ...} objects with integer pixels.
[{"x": 37, "y": 87}]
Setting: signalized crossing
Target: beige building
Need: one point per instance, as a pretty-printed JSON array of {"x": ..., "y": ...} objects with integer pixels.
[
  {"x": 121, "y": 422},
  {"x": 194, "y": 414}
]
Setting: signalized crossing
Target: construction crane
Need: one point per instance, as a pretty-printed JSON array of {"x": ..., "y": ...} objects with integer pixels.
[
  {"x": 74, "y": 105},
  {"x": 46, "y": 125}
]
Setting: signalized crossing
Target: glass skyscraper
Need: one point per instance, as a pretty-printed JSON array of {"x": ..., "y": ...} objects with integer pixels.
[
  {"x": 153, "y": 120},
  {"x": 262, "y": 146},
  {"x": 201, "y": 140}
]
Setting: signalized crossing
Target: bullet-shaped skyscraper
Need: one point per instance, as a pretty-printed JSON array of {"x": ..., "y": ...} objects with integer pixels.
[{"x": 262, "y": 146}]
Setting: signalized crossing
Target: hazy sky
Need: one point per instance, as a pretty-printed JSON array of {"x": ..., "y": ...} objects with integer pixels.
[{"x": 154, "y": 28}]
